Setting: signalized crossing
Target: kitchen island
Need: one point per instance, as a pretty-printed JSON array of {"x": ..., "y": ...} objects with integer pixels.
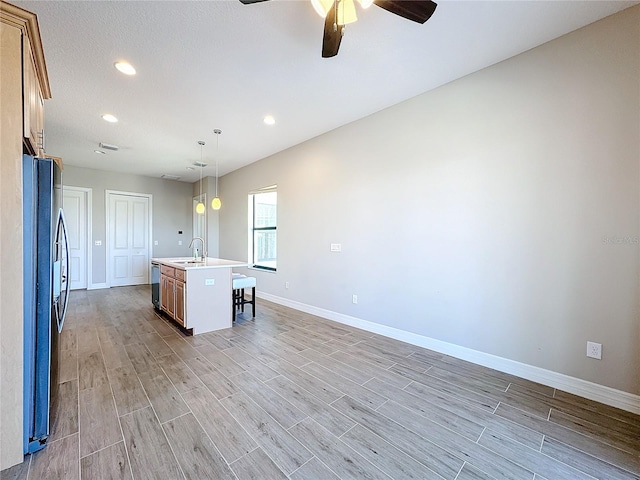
[{"x": 196, "y": 293}]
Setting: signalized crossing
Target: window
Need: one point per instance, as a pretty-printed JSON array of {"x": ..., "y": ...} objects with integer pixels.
[{"x": 262, "y": 228}]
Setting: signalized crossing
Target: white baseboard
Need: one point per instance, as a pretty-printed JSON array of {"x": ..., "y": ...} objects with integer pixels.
[
  {"x": 97, "y": 286},
  {"x": 593, "y": 391}
]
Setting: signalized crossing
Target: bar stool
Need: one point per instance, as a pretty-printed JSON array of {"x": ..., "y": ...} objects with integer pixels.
[{"x": 240, "y": 282}]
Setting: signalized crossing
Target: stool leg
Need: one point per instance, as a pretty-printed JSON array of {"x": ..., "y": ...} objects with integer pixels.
[
  {"x": 233, "y": 306},
  {"x": 243, "y": 301},
  {"x": 253, "y": 301}
]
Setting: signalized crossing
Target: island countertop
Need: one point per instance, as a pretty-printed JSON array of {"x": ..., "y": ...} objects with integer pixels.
[
  {"x": 188, "y": 263},
  {"x": 197, "y": 294}
]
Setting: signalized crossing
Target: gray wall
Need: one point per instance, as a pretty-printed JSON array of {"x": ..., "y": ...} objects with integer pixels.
[
  {"x": 499, "y": 212},
  {"x": 171, "y": 211}
]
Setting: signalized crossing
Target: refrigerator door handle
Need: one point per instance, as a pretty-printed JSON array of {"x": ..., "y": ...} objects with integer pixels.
[{"x": 62, "y": 300}]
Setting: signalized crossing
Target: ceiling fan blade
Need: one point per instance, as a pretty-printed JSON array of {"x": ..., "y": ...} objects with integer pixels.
[
  {"x": 249, "y": 2},
  {"x": 332, "y": 36},
  {"x": 416, "y": 10}
]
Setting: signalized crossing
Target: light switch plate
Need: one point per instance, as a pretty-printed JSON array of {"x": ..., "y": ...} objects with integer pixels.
[
  {"x": 209, "y": 281},
  {"x": 98, "y": 243},
  {"x": 336, "y": 247}
]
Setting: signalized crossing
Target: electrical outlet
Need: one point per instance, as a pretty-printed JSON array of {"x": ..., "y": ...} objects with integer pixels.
[
  {"x": 286, "y": 284},
  {"x": 594, "y": 350},
  {"x": 155, "y": 242},
  {"x": 354, "y": 299}
]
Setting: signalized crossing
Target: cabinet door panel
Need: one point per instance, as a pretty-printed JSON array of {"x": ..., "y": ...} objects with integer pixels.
[
  {"x": 33, "y": 103},
  {"x": 180, "y": 313},
  {"x": 171, "y": 296},
  {"x": 165, "y": 292},
  {"x": 28, "y": 92}
]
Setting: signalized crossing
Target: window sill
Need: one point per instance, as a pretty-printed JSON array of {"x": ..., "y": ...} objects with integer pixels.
[{"x": 266, "y": 270}]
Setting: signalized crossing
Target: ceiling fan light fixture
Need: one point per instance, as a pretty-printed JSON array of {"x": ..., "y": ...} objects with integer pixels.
[
  {"x": 322, "y": 6},
  {"x": 346, "y": 12},
  {"x": 338, "y": 13},
  {"x": 346, "y": 9}
]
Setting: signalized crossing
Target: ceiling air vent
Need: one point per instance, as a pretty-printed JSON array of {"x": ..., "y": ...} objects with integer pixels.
[
  {"x": 200, "y": 164},
  {"x": 166, "y": 176},
  {"x": 107, "y": 146}
]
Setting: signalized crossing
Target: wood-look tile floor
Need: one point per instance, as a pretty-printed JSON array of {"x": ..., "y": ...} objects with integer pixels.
[{"x": 293, "y": 396}]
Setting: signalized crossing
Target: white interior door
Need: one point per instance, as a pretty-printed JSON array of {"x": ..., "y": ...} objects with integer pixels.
[
  {"x": 128, "y": 239},
  {"x": 75, "y": 211}
]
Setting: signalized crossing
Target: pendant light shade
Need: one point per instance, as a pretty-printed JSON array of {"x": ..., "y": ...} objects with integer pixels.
[
  {"x": 200, "y": 208},
  {"x": 216, "y": 203}
]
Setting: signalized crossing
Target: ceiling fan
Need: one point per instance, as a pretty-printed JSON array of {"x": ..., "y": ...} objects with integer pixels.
[{"x": 338, "y": 13}]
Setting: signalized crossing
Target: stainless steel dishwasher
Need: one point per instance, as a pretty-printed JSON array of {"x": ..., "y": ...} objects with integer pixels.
[{"x": 155, "y": 285}]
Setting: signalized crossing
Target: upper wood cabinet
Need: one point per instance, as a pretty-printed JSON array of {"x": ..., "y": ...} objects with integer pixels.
[
  {"x": 35, "y": 82},
  {"x": 33, "y": 103}
]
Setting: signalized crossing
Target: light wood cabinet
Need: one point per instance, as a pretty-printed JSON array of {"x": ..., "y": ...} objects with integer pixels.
[
  {"x": 179, "y": 312},
  {"x": 172, "y": 282},
  {"x": 32, "y": 71},
  {"x": 163, "y": 292},
  {"x": 168, "y": 294},
  {"x": 33, "y": 104}
]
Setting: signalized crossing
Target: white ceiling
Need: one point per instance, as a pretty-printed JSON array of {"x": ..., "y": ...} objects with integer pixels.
[{"x": 220, "y": 64}]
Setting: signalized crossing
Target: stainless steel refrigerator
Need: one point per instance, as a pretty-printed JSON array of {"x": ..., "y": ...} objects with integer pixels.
[{"x": 46, "y": 292}]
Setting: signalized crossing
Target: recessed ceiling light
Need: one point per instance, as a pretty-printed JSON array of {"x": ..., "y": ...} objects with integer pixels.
[
  {"x": 125, "y": 67},
  {"x": 269, "y": 120},
  {"x": 100, "y": 152},
  {"x": 107, "y": 117}
]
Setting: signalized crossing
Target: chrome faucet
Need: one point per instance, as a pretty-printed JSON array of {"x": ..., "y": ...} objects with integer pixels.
[{"x": 203, "y": 257}]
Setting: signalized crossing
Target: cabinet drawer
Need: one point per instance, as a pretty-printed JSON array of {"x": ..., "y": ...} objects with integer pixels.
[
  {"x": 180, "y": 274},
  {"x": 170, "y": 271}
]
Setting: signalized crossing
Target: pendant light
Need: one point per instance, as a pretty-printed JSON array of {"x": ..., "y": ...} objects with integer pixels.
[
  {"x": 216, "y": 203},
  {"x": 200, "y": 208}
]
